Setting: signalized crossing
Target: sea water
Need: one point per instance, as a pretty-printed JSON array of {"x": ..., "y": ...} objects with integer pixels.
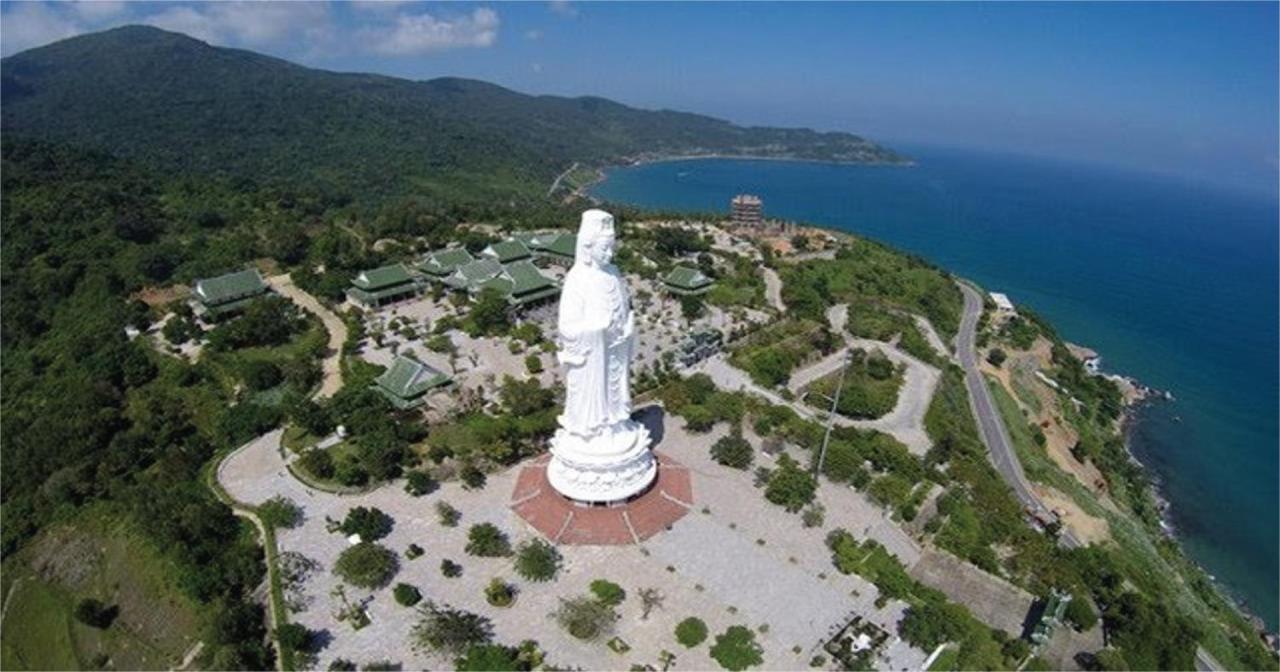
[{"x": 1173, "y": 283}]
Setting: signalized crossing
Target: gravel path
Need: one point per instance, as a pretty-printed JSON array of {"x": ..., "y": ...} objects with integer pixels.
[{"x": 773, "y": 288}]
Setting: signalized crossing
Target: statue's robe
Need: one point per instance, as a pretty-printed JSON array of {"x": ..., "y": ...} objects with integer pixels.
[{"x": 597, "y": 331}]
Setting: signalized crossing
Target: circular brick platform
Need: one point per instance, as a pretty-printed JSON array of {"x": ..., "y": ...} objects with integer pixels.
[{"x": 565, "y": 521}]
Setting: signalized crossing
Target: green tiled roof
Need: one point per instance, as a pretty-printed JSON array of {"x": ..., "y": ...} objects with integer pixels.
[
  {"x": 407, "y": 381},
  {"x": 444, "y": 262},
  {"x": 688, "y": 279},
  {"x": 471, "y": 275},
  {"x": 213, "y": 292},
  {"x": 508, "y": 251},
  {"x": 564, "y": 245},
  {"x": 379, "y": 278},
  {"x": 525, "y": 278}
]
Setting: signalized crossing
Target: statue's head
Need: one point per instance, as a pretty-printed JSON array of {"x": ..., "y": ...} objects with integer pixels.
[{"x": 595, "y": 238}]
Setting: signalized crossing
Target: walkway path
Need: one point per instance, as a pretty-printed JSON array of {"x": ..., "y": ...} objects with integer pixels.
[
  {"x": 773, "y": 288},
  {"x": 990, "y": 425},
  {"x": 332, "y": 364},
  {"x": 556, "y": 184}
]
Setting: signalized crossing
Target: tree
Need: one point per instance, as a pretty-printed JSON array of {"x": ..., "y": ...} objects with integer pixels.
[
  {"x": 261, "y": 375},
  {"x": 447, "y": 630},
  {"x": 294, "y": 636},
  {"x": 418, "y": 483},
  {"x": 472, "y": 477},
  {"x": 368, "y": 522},
  {"x": 790, "y": 486},
  {"x": 536, "y": 560},
  {"x": 450, "y": 569},
  {"x": 280, "y": 511},
  {"x": 1079, "y": 614},
  {"x": 608, "y": 592},
  {"x": 489, "y": 313},
  {"x": 95, "y": 614},
  {"x": 996, "y": 357},
  {"x": 525, "y": 397},
  {"x": 366, "y": 565},
  {"x": 692, "y": 306},
  {"x": 485, "y": 540},
  {"x": 691, "y": 632},
  {"x": 929, "y": 624},
  {"x": 732, "y": 451},
  {"x": 585, "y": 618},
  {"x": 533, "y": 364},
  {"x": 736, "y": 649},
  {"x": 317, "y": 462},
  {"x": 406, "y": 594},
  {"x": 650, "y": 599}
]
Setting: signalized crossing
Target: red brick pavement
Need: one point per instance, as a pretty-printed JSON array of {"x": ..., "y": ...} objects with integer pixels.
[{"x": 565, "y": 522}]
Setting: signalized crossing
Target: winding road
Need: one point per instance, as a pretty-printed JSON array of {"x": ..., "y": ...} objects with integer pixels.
[{"x": 990, "y": 425}]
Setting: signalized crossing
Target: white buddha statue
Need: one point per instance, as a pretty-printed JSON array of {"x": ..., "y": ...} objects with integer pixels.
[{"x": 599, "y": 454}]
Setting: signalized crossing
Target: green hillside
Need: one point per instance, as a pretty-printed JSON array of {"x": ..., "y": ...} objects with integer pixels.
[{"x": 176, "y": 102}]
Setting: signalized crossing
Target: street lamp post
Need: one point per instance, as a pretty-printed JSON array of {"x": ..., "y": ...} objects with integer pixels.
[{"x": 831, "y": 417}]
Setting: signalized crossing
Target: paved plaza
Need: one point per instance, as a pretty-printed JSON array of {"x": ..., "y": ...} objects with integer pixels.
[{"x": 734, "y": 559}]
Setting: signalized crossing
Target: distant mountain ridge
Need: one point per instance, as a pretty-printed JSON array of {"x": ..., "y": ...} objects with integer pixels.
[{"x": 182, "y": 104}]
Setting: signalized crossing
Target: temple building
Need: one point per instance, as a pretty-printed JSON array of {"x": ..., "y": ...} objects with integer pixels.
[
  {"x": 555, "y": 246},
  {"x": 746, "y": 211},
  {"x": 507, "y": 251},
  {"x": 442, "y": 263},
  {"x": 228, "y": 294},
  {"x": 685, "y": 281},
  {"x": 381, "y": 286},
  {"x": 406, "y": 383},
  {"x": 521, "y": 283}
]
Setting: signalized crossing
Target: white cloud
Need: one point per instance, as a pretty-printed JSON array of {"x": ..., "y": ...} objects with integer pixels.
[
  {"x": 250, "y": 23},
  {"x": 32, "y": 24},
  {"x": 563, "y": 8},
  {"x": 377, "y": 5},
  {"x": 536, "y": 67},
  {"x": 421, "y": 33},
  {"x": 97, "y": 10},
  {"x": 533, "y": 34}
]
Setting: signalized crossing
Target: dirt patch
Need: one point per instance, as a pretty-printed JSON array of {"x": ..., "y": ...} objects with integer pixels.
[
  {"x": 68, "y": 557},
  {"x": 1086, "y": 528},
  {"x": 162, "y": 296}
]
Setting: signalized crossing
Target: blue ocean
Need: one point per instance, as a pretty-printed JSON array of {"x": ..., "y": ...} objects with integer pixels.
[{"x": 1173, "y": 283}]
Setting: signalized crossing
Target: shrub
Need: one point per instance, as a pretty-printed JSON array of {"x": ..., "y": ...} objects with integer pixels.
[
  {"x": 736, "y": 649},
  {"x": 449, "y": 630},
  {"x": 368, "y": 522},
  {"x": 533, "y": 363},
  {"x": 472, "y": 477},
  {"x": 608, "y": 592},
  {"x": 814, "y": 515},
  {"x": 448, "y": 515},
  {"x": 585, "y": 618},
  {"x": 996, "y": 357},
  {"x": 536, "y": 560},
  {"x": 450, "y": 569},
  {"x": 280, "y": 511},
  {"x": 317, "y": 462},
  {"x": 489, "y": 658},
  {"x": 366, "y": 565},
  {"x": 691, "y": 632},
  {"x": 485, "y": 540},
  {"x": 407, "y": 595},
  {"x": 418, "y": 483},
  {"x": 732, "y": 451},
  {"x": 95, "y": 614},
  {"x": 414, "y": 551},
  {"x": 499, "y": 593}
]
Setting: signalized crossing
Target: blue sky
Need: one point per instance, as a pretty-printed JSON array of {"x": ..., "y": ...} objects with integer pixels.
[{"x": 1182, "y": 88}]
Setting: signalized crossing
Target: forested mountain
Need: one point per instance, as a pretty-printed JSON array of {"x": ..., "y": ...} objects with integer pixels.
[{"x": 165, "y": 98}]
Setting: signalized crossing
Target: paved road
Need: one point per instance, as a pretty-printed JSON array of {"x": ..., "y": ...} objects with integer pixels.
[
  {"x": 332, "y": 364},
  {"x": 990, "y": 425},
  {"x": 773, "y": 288}
]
